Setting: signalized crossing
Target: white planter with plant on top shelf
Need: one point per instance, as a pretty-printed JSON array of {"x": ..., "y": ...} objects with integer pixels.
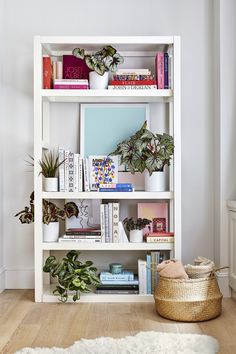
[
  {"x": 97, "y": 82},
  {"x": 156, "y": 182},
  {"x": 50, "y": 184},
  {"x": 51, "y": 232}
]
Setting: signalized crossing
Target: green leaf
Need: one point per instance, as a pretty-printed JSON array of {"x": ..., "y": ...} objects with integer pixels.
[{"x": 78, "y": 53}]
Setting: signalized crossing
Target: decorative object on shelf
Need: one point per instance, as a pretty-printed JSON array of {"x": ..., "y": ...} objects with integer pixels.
[
  {"x": 89, "y": 214},
  {"x": 102, "y": 169},
  {"x": 149, "y": 152},
  {"x": 74, "y": 277},
  {"x": 51, "y": 215},
  {"x": 116, "y": 268},
  {"x": 154, "y": 211},
  {"x": 101, "y": 62},
  {"x": 74, "y": 68},
  {"x": 135, "y": 228},
  {"x": 49, "y": 167}
]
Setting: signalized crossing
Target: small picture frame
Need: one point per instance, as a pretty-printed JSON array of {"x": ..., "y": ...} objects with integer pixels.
[{"x": 159, "y": 224}]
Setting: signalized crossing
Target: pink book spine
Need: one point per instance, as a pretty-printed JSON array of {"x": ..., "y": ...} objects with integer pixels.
[
  {"x": 160, "y": 70},
  {"x": 71, "y": 87}
]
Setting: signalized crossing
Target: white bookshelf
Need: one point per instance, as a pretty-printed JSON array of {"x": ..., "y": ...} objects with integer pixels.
[{"x": 132, "y": 48}]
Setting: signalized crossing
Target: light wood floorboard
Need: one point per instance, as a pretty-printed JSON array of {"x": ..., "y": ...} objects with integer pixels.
[{"x": 24, "y": 323}]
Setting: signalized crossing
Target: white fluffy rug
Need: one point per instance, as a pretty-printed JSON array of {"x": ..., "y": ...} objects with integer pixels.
[{"x": 142, "y": 343}]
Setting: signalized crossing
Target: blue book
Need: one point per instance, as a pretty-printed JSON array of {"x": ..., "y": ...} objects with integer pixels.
[
  {"x": 149, "y": 276},
  {"x": 121, "y": 282},
  {"x": 166, "y": 71},
  {"x": 125, "y": 275},
  {"x": 115, "y": 189},
  {"x": 115, "y": 185}
]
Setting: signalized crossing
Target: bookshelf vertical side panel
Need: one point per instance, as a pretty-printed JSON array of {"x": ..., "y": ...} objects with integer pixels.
[
  {"x": 177, "y": 154},
  {"x": 38, "y": 254}
]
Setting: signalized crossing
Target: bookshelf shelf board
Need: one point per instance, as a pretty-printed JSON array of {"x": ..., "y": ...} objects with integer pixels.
[
  {"x": 108, "y": 195},
  {"x": 68, "y": 245},
  {"x": 91, "y": 297},
  {"x": 121, "y": 96}
]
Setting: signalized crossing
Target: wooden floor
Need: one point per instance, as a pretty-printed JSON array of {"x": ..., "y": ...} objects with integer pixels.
[{"x": 25, "y": 323}]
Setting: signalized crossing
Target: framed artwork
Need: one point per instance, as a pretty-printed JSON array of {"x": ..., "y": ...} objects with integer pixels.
[
  {"x": 157, "y": 212},
  {"x": 103, "y": 126},
  {"x": 89, "y": 214}
]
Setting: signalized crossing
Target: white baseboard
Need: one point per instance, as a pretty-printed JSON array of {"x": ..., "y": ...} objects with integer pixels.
[
  {"x": 2, "y": 279},
  {"x": 18, "y": 277},
  {"x": 223, "y": 281}
]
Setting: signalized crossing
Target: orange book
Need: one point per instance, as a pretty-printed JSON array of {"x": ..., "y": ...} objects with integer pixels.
[{"x": 47, "y": 72}]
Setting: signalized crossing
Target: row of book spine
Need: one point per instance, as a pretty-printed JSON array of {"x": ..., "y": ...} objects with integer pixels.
[
  {"x": 71, "y": 172},
  {"x": 164, "y": 70},
  {"x": 109, "y": 215},
  {"x": 147, "y": 271}
]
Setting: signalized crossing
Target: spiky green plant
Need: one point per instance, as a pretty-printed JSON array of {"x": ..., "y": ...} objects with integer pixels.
[
  {"x": 146, "y": 150},
  {"x": 106, "y": 59},
  {"x": 49, "y": 163},
  {"x": 74, "y": 277}
]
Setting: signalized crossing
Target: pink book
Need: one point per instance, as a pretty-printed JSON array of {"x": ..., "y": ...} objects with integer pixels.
[
  {"x": 74, "y": 68},
  {"x": 160, "y": 70},
  {"x": 157, "y": 213},
  {"x": 70, "y": 87}
]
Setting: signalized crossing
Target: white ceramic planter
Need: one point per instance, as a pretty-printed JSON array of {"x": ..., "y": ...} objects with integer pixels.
[
  {"x": 156, "y": 182},
  {"x": 136, "y": 236},
  {"x": 51, "y": 184},
  {"x": 51, "y": 232},
  {"x": 97, "y": 81}
]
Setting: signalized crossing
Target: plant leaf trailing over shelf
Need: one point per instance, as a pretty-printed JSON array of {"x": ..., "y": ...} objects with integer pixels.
[
  {"x": 106, "y": 59},
  {"x": 51, "y": 212},
  {"x": 146, "y": 150},
  {"x": 73, "y": 276}
]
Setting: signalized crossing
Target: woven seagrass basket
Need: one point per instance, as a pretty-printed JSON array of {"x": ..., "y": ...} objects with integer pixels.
[{"x": 188, "y": 300}]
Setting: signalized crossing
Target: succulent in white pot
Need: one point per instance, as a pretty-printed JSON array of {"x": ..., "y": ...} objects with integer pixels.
[{"x": 100, "y": 63}]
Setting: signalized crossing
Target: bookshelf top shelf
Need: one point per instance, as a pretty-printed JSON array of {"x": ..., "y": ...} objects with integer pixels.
[{"x": 106, "y": 95}]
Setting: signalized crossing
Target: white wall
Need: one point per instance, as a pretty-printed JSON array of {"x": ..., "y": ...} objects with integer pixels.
[
  {"x": 2, "y": 272},
  {"x": 192, "y": 20}
]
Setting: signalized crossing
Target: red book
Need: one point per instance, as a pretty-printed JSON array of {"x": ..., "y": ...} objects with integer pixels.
[
  {"x": 159, "y": 234},
  {"x": 47, "y": 73},
  {"x": 133, "y": 82},
  {"x": 160, "y": 70},
  {"x": 74, "y": 68}
]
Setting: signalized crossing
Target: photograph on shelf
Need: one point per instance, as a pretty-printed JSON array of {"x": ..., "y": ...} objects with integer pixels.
[
  {"x": 103, "y": 126},
  {"x": 158, "y": 213},
  {"x": 89, "y": 214}
]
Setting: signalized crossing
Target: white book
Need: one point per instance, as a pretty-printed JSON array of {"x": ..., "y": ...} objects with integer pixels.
[
  {"x": 66, "y": 170},
  {"x": 142, "y": 276},
  {"x": 76, "y": 172},
  {"x": 102, "y": 220},
  {"x": 71, "y": 172},
  {"x": 70, "y": 81},
  {"x": 80, "y": 174},
  {"x": 106, "y": 223},
  {"x": 132, "y": 87},
  {"x": 133, "y": 72},
  {"x": 61, "y": 153},
  {"x": 86, "y": 179},
  {"x": 84, "y": 240},
  {"x": 110, "y": 222},
  {"x": 116, "y": 216}
]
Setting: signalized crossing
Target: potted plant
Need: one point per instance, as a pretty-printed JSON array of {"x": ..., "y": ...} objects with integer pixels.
[
  {"x": 49, "y": 167},
  {"x": 135, "y": 228},
  {"x": 101, "y": 62},
  {"x": 73, "y": 276},
  {"x": 147, "y": 152},
  {"x": 51, "y": 216}
]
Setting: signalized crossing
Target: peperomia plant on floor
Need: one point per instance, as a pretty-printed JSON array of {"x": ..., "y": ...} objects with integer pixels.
[{"x": 73, "y": 276}]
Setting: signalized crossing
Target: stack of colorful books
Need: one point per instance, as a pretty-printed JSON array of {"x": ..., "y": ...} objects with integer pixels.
[
  {"x": 82, "y": 235},
  {"x": 116, "y": 187},
  {"x": 123, "y": 283},
  {"x": 70, "y": 84},
  {"x": 128, "y": 79}
]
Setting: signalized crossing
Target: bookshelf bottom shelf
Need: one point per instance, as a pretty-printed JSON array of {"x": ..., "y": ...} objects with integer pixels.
[{"x": 49, "y": 297}]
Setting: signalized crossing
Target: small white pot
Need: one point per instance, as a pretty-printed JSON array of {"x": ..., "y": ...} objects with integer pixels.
[
  {"x": 51, "y": 184},
  {"x": 97, "y": 81},
  {"x": 156, "y": 182},
  {"x": 51, "y": 232},
  {"x": 136, "y": 236}
]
